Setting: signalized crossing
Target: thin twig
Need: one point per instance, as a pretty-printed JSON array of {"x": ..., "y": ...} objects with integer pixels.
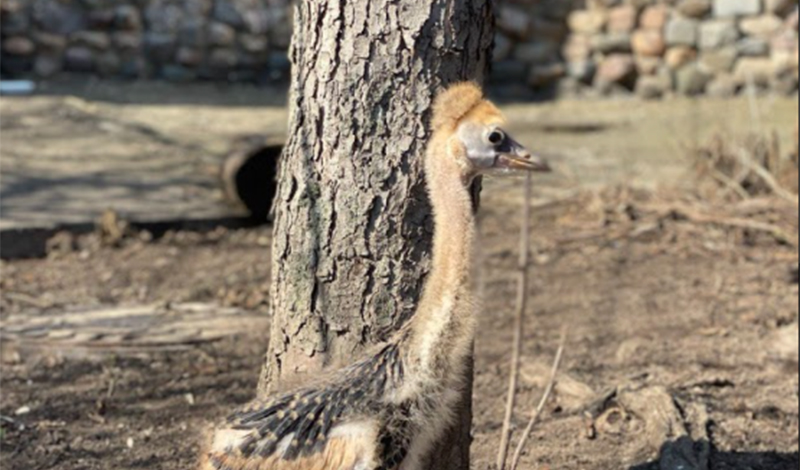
[
  {"x": 765, "y": 175},
  {"x": 725, "y": 221},
  {"x": 522, "y": 290},
  {"x": 730, "y": 184},
  {"x": 548, "y": 391}
]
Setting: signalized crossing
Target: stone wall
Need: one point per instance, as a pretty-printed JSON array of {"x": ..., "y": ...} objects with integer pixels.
[
  {"x": 172, "y": 39},
  {"x": 690, "y": 47},
  {"x": 583, "y": 47}
]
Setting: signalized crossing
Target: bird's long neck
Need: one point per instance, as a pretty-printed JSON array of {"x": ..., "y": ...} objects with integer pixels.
[{"x": 443, "y": 325}]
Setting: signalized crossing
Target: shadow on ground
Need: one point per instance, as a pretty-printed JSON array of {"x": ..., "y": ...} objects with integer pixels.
[{"x": 686, "y": 454}]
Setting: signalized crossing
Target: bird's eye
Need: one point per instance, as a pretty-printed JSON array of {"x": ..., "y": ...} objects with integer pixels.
[{"x": 495, "y": 137}]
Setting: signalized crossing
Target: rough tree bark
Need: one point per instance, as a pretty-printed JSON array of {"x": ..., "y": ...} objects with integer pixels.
[{"x": 352, "y": 222}]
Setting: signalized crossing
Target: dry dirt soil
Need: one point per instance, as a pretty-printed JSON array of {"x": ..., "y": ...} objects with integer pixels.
[
  {"x": 681, "y": 346},
  {"x": 695, "y": 322}
]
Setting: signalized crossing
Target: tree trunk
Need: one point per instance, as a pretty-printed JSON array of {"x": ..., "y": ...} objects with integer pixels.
[{"x": 352, "y": 225}]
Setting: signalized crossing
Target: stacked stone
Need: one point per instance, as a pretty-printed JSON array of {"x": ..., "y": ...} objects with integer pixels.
[
  {"x": 172, "y": 39},
  {"x": 651, "y": 47},
  {"x": 528, "y": 41},
  {"x": 655, "y": 47}
]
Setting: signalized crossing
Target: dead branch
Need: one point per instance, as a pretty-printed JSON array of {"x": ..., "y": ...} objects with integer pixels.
[
  {"x": 548, "y": 391},
  {"x": 768, "y": 178},
  {"x": 522, "y": 290},
  {"x": 697, "y": 217}
]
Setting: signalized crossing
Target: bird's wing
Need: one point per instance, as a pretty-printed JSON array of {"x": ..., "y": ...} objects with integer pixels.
[{"x": 299, "y": 424}]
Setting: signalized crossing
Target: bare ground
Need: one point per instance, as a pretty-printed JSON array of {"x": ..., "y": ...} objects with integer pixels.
[
  {"x": 699, "y": 312},
  {"x": 682, "y": 334}
]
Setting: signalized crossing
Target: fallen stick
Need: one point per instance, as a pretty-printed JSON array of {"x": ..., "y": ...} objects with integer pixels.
[
  {"x": 768, "y": 178},
  {"x": 548, "y": 391},
  {"x": 521, "y": 302},
  {"x": 736, "y": 222}
]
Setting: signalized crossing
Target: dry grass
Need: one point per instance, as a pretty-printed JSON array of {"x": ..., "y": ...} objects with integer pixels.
[{"x": 749, "y": 166}]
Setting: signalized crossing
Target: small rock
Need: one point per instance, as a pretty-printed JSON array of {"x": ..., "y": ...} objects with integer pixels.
[
  {"x": 222, "y": 58},
  {"x": 612, "y": 42},
  {"x": 651, "y": 87},
  {"x": 792, "y": 21},
  {"x": 582, "y": 70},
  {"x": 756, "y": 69},
  {"x": 253, "y": 43},
  {"x": 162, "y": 17},
  {"x": 59, "y": 17},
  {"x": 159, "y": 47},
  {"x": 654, "y": 17},
  {"x": 753, "y": 47},
  {"x": 780, "y": 7},
  {"x": 47, "y": 65},
  {"x": 514, "y": 22},
  {"x": 723, "y": 86},
  {"x": 622, "y": 19},
  {"x": 694, "y": 8},
  {"x": 541, "y": 75},
  {"x": 126, "y": 40},
  {"x": 728, "y": 8},
  {"x": 129, "y": 443},
  {"x": 784, "y": 343},
  {"x": 79, "y": 59},
  {"x": 577, "y": 47},
  {"x": 587, "y": 21},
  {"x": 193, "y": 33},
  {"x": 677, "y": 57},
  {"x": 94, "y": 39},
  {"x": 761, "y": 26},
  {"x": 617, "y": 69},
  {"x": 257, "y": 21},
  {"x": 648, "y": 42},
  {"x": 221, "y": 34},
  {"x": 786, "y": 84},
  {"x": 127, "y": 17},
  {"x": 226, "y": 12},
  {"x": 682, "y": 32},
  {"x": 720, "y": 60},
  {"x": 107, "y": 63},
  {"x": 101, "y": 19},
  {"x": 18, "y": 45},
  {"x": 692, "y": 80},
  {"x": 785, "y": 53},
  {"x": 539, "y": 52},
  {"x": 189, "y": 56},
  {"x": 647, "y": 65},
  {"x": 11, "y": 6},
  {"x": 715, "y": 34},
  {"x": 50, "y": 42}
]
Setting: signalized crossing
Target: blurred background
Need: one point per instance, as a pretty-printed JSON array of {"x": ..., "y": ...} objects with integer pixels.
[{"x": 135, "y": 237}]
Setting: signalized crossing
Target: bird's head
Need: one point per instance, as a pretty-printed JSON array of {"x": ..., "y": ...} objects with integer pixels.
[{"x": 474, "y": 133}]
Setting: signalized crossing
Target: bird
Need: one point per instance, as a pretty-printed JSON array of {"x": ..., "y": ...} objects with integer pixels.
[{"x": 386, "y": 410}]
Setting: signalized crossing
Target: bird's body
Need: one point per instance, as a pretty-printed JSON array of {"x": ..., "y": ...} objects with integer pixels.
[{"x": 384, "y": 412}]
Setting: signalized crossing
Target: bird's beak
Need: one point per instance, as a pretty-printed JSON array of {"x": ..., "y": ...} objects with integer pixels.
[{"x": 514, "y": 156}]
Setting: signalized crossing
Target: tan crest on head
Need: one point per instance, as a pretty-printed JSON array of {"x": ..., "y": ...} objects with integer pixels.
[{"x": 454, "y": 103}]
